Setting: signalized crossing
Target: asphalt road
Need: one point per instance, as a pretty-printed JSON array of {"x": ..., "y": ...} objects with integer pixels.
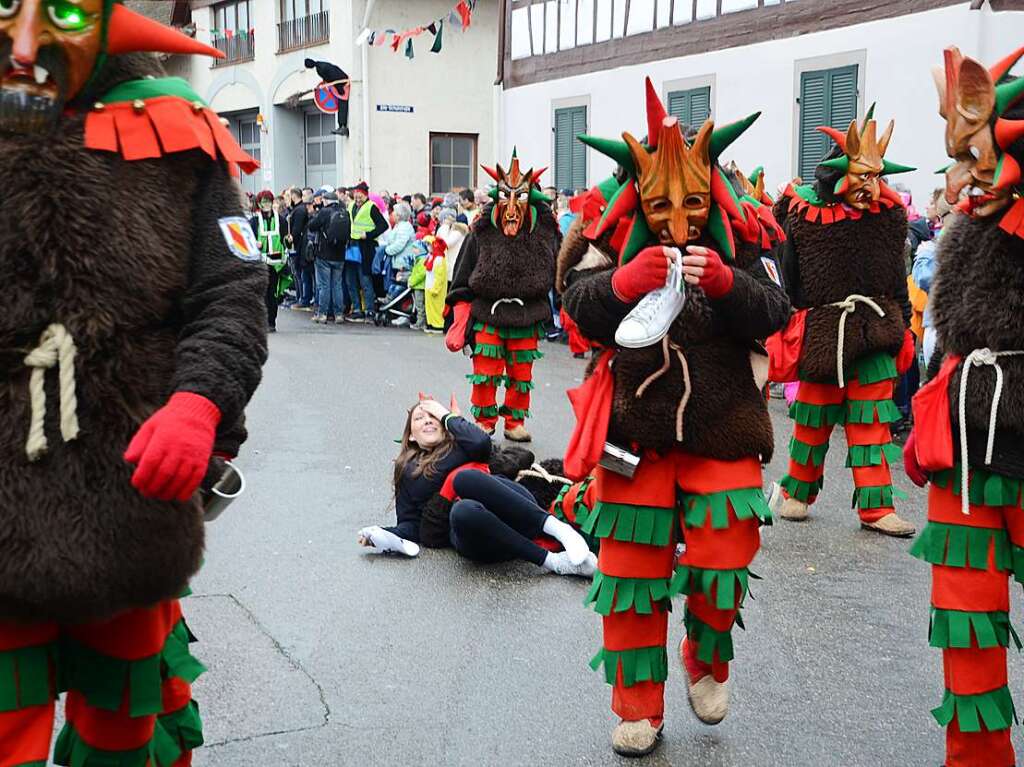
[{"x": 323, "y": 654}]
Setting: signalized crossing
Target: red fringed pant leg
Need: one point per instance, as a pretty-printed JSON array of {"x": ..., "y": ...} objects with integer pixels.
[
  {"x": 638, "y": 521},
  {"x": 972, "y": 557},
  {"x": 128, "y": 700}
]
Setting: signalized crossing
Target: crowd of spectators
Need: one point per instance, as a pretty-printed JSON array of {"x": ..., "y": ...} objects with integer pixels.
[{"x": 349, "y": 255}]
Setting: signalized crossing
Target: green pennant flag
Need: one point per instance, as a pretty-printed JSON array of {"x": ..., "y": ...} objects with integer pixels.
[
  {"x": 409, "y": 54},
  {"x": 436, "y": 47}
]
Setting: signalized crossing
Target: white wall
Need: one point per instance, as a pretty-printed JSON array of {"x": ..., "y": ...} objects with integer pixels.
[
  {"x": 450, "y": 92},
  {"x": 898, "y": 55}
]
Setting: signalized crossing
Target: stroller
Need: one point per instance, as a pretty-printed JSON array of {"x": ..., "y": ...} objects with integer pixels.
[{"x": 397, "y": 306}]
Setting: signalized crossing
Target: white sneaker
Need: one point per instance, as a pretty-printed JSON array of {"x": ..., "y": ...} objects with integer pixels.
[
  {"x": 653, "y": 316},
  {"x": 385, "y": 541},
  {"x": 559, "y": 563}
]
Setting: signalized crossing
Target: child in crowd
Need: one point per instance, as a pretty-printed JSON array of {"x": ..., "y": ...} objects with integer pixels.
[{"x": 486, "y": 518}]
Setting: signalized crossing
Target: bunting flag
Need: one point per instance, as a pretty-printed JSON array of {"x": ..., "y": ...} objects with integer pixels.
[{"x": 461, "y": 16}]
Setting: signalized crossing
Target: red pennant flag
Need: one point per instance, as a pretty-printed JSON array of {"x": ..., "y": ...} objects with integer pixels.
[{"x": 464, "y": 14}]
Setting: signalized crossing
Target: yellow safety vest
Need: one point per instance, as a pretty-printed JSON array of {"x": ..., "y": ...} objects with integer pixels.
[{"x": 362, "y": 222}]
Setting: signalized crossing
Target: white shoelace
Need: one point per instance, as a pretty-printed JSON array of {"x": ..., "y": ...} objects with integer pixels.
[
  {"x": 646, "y": 311},
  {"x": 977, "y": 358}
]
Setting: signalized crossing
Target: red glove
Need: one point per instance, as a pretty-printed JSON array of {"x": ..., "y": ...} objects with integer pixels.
[
  {"x": 910, "y": 463},
  {"x": 715, "y": 277},
  {"x": 907, "y": 353},
  {"x": 646, "y": 272},
  {"x": 455, "y": 338},
  {"x": 172, "y": 449}
]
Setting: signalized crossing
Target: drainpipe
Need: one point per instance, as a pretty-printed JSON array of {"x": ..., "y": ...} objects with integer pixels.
[{"x": 365, "y": 55}]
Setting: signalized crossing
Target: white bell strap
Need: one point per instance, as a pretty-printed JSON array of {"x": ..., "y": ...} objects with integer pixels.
[
  {"x": 241, "y": 484},
  {"x": 978, "y": 358},
  {"x": 849, "y": 306},
  {"x": 500, "y": 301}
]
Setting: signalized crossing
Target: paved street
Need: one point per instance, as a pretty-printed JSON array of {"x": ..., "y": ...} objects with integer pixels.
[{"x": 323, "y": 654}]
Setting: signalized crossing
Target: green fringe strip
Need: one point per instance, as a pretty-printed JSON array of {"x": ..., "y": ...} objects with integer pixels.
[
  {"x": 952, "y": 628},
  {"x": 484, "y": 412},
  {"x": 644, "y": 664},
  {"x": 962, "y": 546},
  {"x": 609, "y": 594},
  {"x": 523, "y": 387},
  {"x": 651, "y": 525},
  {"x": 866, "y": 411},
  {"x": 805, "y": 454},
  {"x": 25, "y": 677},
  {"x": 817, "y": 415},
  {"x": 105, "y": 679},
  {"x": 875, "y": 497},
  {"x": 802, "y": 491},
  {"x": 514, "y": 413},
  {"x": 478, "y": 378},
  {"x": 720, "y": 586},
  {"x": 871, "y": 455},
  {"x": 747, "y": 503},
  {"x": 1017, "y": 555},
  {"x": 489, "y": 350},
  {"x": 185, "y": 727},
  {"x": 876, "y": 367},
  {"x": 523, "y": 355},
  {"x": 708, "y": 639},
  {"x": 532, "y": 331},
  {"x": 580, "y": 511},
  {"x": 994, "y": 709},
  {"x": 71, "y": 751},
  {"x": 986, "y": 488}
]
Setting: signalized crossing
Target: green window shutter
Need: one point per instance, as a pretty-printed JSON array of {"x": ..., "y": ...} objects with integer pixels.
[
  {"x": 827, "y": 97},
  {"x": 570, "y": 154},
  {"x": 692, "y": 107}
]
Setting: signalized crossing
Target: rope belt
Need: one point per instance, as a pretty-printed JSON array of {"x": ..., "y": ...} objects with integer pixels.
[
  {"x": 506, "y": 301},
  {"x": 977, "y": 358},
  {"x": 56, "y": 349},
  {"x": 849, "y": 306},
  {"x": 541, "y": 473},
  {"x": 666, "y": 344}
]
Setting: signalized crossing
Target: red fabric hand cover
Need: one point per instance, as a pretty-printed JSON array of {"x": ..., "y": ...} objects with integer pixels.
[
  {"x": 907, "y": 353},
  {"x": 718, "y": 277},
  {"x": 646, "y": 272},
  {"x": 784, "y": 349},
  {"x": 172, "y": 449},
  {"x": 455, "y": 338},
  {"x": 592, "y": 405},
  {"x": 910, "y": 463}
]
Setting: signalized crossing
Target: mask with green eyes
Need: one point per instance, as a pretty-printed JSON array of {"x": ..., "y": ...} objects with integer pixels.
[{"x": 50, "y": 51}]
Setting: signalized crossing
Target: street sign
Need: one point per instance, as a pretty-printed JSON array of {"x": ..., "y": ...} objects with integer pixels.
[
  {"x": 395, "y": 108},
  {"x": 327, "y": 98}
]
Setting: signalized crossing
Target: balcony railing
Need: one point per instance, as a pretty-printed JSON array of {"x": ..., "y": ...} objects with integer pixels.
[
  {"x": 239, "y": 47},
  {"x": 304, "y": 32}
]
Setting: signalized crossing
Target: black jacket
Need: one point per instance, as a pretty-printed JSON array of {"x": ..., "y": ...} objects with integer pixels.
[
  {"x": 298, "y": 223},
  {"x": 413, "y": 493},
  {"x": 321, "y": 224}
]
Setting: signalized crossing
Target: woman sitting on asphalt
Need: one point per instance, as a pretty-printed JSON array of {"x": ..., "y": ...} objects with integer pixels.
[{"x": 445, "y": 495}]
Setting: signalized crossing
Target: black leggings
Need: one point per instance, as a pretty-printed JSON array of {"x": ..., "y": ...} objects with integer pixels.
[{"x": 495, "y": 520}]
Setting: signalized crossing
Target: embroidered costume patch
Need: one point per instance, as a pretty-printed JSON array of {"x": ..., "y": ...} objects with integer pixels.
[
  {"x": 772, "y": 270},
  {"x": 240, "y": 238}
]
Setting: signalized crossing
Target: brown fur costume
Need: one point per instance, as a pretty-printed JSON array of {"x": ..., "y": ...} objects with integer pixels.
[
  {"x": 825, "y": 263},
  {"x": 492, "y": 266},
  {"x": 130, "y": 258}
]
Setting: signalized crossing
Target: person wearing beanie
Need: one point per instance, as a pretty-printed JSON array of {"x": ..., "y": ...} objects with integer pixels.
[
  {"x": 368, "y": 223},
  {"x": 499, "y": 296},
  {"x": 849, "y": 340},
  {"x": 968, "y": 436},
  {"x": 271, "y": 230},
  {"x": 103, "y": 500},
  {"x": 671, "y": 419}
]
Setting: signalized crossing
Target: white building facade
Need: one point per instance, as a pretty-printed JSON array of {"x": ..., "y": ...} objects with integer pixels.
[
  {"x": 415, "y": 125},
  {"x": 573, "y": 66}
]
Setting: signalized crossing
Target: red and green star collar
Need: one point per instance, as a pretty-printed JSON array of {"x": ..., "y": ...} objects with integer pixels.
[{"x": 804, "y": 200}]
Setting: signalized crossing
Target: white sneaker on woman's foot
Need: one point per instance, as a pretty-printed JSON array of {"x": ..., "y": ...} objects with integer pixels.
[
  {"x": 559, "y": 563},
  {"x": 650, "y": 319},
  {"x": 376, "y": 537}
]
